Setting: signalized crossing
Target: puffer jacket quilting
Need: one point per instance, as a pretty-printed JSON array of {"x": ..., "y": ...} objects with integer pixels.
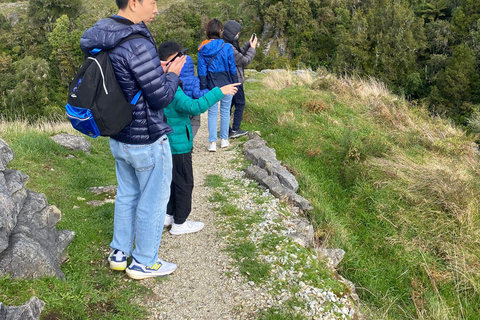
[
  {"x": 191, "y": 83},
  {"x": 137, "y": 66}
]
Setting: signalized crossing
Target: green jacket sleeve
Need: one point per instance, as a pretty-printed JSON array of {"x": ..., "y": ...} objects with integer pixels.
[{"x": 194, "y": 107}]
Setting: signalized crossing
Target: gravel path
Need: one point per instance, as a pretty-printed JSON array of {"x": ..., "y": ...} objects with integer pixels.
[{"x": 199, "y": 288}]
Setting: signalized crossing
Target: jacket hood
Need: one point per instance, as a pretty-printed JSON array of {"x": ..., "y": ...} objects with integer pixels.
[
  {"x": 230, "y": 30},
  {"x": 107, "y": 33},
  {"x": 188, "y": 69},
  {"x": 208, "y": 48}
]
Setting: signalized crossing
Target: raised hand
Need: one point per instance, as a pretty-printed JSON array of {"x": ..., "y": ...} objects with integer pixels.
[
  {"x": 177, "y": 65},
  {"x": 253, "y": 41}
]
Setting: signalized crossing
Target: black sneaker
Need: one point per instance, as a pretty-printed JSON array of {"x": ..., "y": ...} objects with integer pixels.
[{"x": 238, "y": 133}]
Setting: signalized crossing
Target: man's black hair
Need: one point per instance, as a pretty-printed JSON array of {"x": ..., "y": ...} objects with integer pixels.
[
  {"x": 166, "y": 49},
  {"x": 122, "y": 4}
]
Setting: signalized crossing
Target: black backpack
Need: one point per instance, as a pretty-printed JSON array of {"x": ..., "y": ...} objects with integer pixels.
[{"x": 96, "y": 103}]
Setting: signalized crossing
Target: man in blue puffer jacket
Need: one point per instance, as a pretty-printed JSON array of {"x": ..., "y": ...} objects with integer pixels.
[
  {"x": 143, "y": 160},
  {"x": 191, "y": 87}
]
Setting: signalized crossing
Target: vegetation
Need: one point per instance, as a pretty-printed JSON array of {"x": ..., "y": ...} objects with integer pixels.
[
  {"x": 91, "y": 290},
  {"x": 393, "y": 187},
  {"x": 425, "y": 50}
]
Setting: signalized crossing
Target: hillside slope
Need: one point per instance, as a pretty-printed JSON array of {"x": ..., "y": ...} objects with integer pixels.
[{"x": 394, "y": 187}]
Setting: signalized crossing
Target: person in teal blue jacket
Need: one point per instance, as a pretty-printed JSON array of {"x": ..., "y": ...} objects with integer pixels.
[{"x": 178, "y": 114}]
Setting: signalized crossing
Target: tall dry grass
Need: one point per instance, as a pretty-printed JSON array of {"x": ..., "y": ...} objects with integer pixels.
[
  {"x": 45, "y": 126},
  {"x": 282, "y": 79}
]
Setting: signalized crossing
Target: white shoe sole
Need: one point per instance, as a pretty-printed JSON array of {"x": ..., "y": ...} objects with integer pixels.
[
  {"x": 118, "y": 266},
  {"x": 177, "y": 233},
  {"x": 138, "y": 275}
]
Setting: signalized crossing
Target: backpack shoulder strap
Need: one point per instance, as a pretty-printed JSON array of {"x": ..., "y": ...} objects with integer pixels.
[{"x": 94, "y": 51}]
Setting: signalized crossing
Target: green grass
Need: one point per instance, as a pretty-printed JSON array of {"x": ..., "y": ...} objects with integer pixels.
[
  {"x": 399, "y": 228},
  {"x": 90, "y": 290}
]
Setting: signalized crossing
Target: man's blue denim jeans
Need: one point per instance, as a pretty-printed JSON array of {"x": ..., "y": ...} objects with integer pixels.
[
  {"x": 225, "y": 105},
  {"x": 144, "y": 174}
]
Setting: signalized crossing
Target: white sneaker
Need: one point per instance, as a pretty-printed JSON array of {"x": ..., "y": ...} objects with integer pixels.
[
  {"x": 139, "y": 271},
  {"x": 168, "y": 220},
  {"x": 186, "y": 227},
  {"x": 212, "y": 147},
  {"x": 224, "y": 143}
]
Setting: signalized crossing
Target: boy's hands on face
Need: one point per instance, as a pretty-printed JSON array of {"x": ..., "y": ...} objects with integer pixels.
[
  {"x": 175, "y": 66},
  {"x": 230, "y": 89}
]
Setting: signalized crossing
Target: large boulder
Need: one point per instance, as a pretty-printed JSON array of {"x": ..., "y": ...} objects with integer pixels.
[
  {"x": 30, "y": 244},
  {"x": 72, "y": 142}
]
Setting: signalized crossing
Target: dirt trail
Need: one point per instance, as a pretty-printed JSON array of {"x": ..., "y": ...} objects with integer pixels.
[{"x": 199, "y": 288}]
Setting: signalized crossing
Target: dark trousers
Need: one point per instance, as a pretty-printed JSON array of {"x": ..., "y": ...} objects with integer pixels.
[
  {"x": 180, "y": 203},
  {"x": 239, "y": 102}
]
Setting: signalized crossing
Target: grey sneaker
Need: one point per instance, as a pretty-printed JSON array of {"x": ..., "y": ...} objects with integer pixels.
[
  {"x": 117, "y": 260},
  {"x": 139, "y": 271},
  {"x": 238, "y": 133}
]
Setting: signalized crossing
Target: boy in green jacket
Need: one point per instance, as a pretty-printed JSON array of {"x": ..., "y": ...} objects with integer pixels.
[{"x": 178, "y": 114}]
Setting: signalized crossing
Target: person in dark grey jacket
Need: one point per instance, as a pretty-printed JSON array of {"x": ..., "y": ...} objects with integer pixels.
[
  {"x": 143, "y": 159},
  {"x": 243, "y": 57}
]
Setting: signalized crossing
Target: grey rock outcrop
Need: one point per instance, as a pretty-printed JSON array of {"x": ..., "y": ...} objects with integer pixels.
[
  {"x": 108, "y": 190},
  {"x": 334, "y": 256},
  {"x": 29, "y": 311},
  {"x": 72, "y": 142},
  {"x": 28, "y": 227},
  {"x": 301, "y": 232},
  {"x": 269, "y": 172}
]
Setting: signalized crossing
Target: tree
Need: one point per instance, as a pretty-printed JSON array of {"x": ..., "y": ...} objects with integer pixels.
[
  {"x": 354, "y": 46},
  {"x": 66, "y": 54},
  {"x": 183, "y": 23},
  {"x": 432, "y": 11},
  {"x": 384, "y": 42},
  {"x": 455, "y": 86},
  {"x": 29, "y": 96},
  {"x": 44, "y": 13}
]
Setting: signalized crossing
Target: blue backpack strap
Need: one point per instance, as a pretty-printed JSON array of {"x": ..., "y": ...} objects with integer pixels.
[
  {"x": 94, "y": 51},
  {"x": 137, "y": 96}
]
